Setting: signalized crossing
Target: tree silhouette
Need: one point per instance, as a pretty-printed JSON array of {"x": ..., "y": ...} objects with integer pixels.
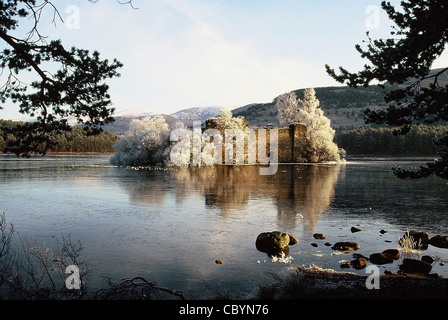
[
  {"x": 69, "y": 82},
  {"x": 403, "y": 63}
]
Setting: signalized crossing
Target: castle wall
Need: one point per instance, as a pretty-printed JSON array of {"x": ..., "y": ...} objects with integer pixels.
[{"x": 291, "y": 142}]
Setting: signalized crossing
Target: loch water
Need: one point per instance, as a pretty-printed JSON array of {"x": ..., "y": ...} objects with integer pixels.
[{"x": 171, "y": 225}]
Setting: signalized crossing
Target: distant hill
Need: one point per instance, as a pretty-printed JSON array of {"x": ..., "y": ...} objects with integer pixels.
[
  {"x": 186, "y": 116},
  {"x": 342, "y": 104},
  {"x": 442, "y": 80},
  {"x": 196, "y": 114}
]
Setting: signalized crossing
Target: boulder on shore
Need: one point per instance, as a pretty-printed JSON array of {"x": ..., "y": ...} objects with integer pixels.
[
  {"x": 319, "y": 236},
  {"x": 415, "y": 266}
]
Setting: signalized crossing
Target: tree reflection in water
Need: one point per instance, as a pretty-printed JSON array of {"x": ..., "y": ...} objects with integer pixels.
[{"x": 298, "y": 192}]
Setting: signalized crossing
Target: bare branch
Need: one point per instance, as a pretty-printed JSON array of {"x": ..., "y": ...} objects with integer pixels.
[
  {"x": 136, "y": 287},
  {"x": 128, "y": 2}
]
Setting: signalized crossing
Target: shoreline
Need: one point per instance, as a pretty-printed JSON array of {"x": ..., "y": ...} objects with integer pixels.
[{"x": 317, "y": 283}]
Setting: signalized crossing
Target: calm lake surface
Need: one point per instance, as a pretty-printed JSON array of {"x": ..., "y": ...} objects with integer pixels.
[{"x": 169, "y": 226}]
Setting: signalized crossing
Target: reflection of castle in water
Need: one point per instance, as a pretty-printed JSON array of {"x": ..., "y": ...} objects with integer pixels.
[
  {"x": 298, "y": 191},
  {"x": 309, "y": 193}
]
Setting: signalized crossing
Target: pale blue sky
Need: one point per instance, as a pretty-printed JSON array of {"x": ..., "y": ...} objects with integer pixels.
[{"x": 197, "y": 53}]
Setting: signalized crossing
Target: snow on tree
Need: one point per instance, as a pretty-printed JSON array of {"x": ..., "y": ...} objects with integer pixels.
[
  {"x": 226, "y": 120},
  {"x": 226, "y": 135},
  {"x": 321, "y": 147},
  {"x": 145, "y": 144},
  {"x": 235, "y": 131},
  {"x": 288, "y": 110}
]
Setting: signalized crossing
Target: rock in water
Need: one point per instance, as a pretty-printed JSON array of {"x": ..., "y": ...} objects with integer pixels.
[
  {"x": 439, "y": 241},
  {"x": 293, "y": 240},
  {"x": 420, "y": 239},
  {"x": 417, "y": 236},
  {"x": 381, "y": 258},
  {"x": 281, "y": 239},
  {"x": 423, "y": 236},
  {"x": 271, "y": 241},
  {"x": 359, "y": 263},
  {"x": 427, "y": 258},
  {"x": 346, "y": 246},
  {"x": 387, "y": 256},
  {"x": 394, "y": 253}
]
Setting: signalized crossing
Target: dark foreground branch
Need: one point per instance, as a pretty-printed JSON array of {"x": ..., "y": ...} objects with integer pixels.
[{"x": 136, "y": 288}]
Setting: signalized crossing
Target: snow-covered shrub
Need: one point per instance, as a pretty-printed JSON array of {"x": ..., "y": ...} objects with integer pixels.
[{"x": 145, "y": 144}]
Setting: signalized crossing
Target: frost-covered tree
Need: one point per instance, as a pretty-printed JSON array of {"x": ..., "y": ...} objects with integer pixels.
[
  {"x": 321, "y": 147},
  {"x": 319, "y": 132},
  {"x": 145, "y": 144},
  {"x": 288, "y": 109},
  {"x": 226, "y": 120},
  {"x": 204, "y": 148}
]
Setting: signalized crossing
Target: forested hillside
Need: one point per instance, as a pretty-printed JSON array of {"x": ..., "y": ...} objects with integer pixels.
[
  {"x": 75, "y": 140},
  {"x": 343, "y": 105},
  {"x": 382, "y": 141}
]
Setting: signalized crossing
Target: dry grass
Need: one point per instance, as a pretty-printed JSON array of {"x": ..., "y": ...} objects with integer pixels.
[{"x": 409, "y": 245}]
